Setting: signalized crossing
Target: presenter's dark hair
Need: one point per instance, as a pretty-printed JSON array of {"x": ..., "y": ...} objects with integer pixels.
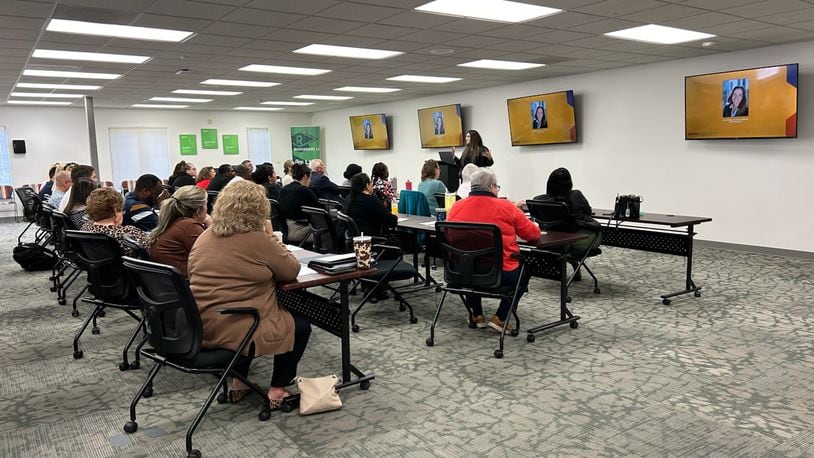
[
  {"x": 474, "y": 148},
  {"x": 559, "y": 184}
]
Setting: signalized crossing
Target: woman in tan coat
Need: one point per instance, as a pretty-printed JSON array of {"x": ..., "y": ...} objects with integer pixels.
[{"x": 238, "y": 262}]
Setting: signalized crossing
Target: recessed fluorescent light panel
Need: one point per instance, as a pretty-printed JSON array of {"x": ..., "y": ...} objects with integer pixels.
[
  {"x": 659, "y": 34},
  {"x": 179, "y": 99},
  {"x": 347, "y": 51},
  {"x": 500, "y": 64},
  {"x": 197, "y": 92},
  {"x": 117, "y": 31},
  {"x": 64, "y": 87},
  {"x": 46, "y": 95},
  {"x": 377, "y": 90},
  {"x": 61, "y": 74},
  {"x": 423, "y": 79},
  {"x": 322, "y": 97},
  {"x": 283, "y": 70},
  {"x": 33, "y": 102},
  {"x": 258, "y": 108},
  {"x": 217, "y": 82},
  {"x": 488, "y": 10},
  {"x": 149, "y": 105},
  {"x": 89, "y": 56},
  {"x": 290, "y": 104}
]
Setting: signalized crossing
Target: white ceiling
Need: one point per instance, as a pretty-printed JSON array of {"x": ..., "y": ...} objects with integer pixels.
[{"x": 230, "y": 34}]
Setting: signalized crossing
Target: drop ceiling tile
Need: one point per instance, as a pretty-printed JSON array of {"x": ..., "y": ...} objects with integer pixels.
[
  {"x": 476, "y": 41},
  {"x": 664, "y": 13},
  {"x": 231, "y": 29},
  {"x": 381, "y": 31},
  {"x": 359, "y": 12},
  {"x": 773, "y": 35},
  {"x": 720, "y": 5},
  {"x": 436, "y": 36},
  {"x": 186, "y": 8},
  {"x": 744, "y": 25},
  {"x": 18, "y": 34},
  {"x": 765, "y": 8},
  {"x": 707, "y": 22},
  {"x": 477, "y": 54},
  {"x": 616, "y": 8},
  {"x": 470, "y": 26},
  {"x": 298, "y": 7},
  {"x": 26, "y": 9},
  {"x": 595, "y": 42},
  {"x": 407, "y": 46},
  {"x": 555, "y": 50},
  {"x": 605, "y": 26},
  {"x": 516, "y": 31},
  {"x": 517, "y": 45},
  {"x": 172, "y": 22},
  {"x": 560, "y": 36},
  {"x": 326, "y": 25},
  {"x": 358, "y": 42},
  {"x": 12, "y": 22},
  {"x": 791, "y": 17},
  {"x": 218, "y": 40},
  {"x": 127, "y": 5},
  {"x": 565, "y": 20},
  {"x": 262, "y": 18},
  {"x": 302, "y": 37}
]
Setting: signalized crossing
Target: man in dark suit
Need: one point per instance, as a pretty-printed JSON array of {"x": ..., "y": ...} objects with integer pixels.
[
  {"x": 225, "y": 174},
  {"x": 325, "y": 188}
]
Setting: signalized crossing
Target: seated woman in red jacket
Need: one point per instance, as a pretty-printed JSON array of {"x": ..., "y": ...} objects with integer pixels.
[{"x": 483, "y": 206}]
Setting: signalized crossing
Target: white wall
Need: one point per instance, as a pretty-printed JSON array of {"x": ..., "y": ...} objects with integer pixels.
[
  {"x": 61, "y": 135},
  {"x": 630, "y": 125}
]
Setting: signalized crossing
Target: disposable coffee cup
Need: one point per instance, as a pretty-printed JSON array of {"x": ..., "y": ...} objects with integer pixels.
[
  {"x": 278, "y": 235},
  {"x": 362, "y": 246},
  {"x": 440, "y": 214}
]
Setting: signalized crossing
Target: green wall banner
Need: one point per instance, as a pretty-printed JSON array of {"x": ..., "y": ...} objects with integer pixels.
[
  {"x": 305, "y": 143},
  {"x": 189, "y": 144},
  {"x": 209, "y": 138},
  {"x": 230, "y": 144}
]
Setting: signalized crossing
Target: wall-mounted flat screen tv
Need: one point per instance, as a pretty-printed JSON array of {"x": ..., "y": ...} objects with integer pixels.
[
  {"x": 441, "y": 126},
  {"x": 543, "y": 119},
  {"x": 369, "y": 132},
  {"x": 752, "y": 103}
]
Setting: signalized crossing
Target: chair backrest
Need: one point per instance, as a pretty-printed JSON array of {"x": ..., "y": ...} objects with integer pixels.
[
  {"x": 107, "y": 184},
  {"x": 413, "y": 203},
  {"x": 101, "y": 256},
  {"x": 174, "y": 326},
  {"x": 30, "y": 201},
  {"x": 440, "y": 200},
  {"x": 472, "y": 254},
  {"x": 60, "y": 225},
  {"x": 6, "y": 192},
  {"x": 551, "y": 214},
  {"x": 326, "y": 239},
  {"x": 45, "y": 220},
  {"x": 137, "y": 250},
  {"x": 331, "y": 205},
  {"x": 128, "y": 185},
  {"x": 278, "y": 222},
  {"x": 351, "y": 229},
  {"x": 344, "y": 191},
  {"x": 35, "y": 186}
]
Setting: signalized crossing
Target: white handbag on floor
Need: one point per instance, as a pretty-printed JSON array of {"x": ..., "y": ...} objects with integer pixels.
[{"x": 318, "y": 394}]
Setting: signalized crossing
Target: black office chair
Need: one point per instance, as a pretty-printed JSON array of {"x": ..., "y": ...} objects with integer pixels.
[
  {"x": 389, "y": 267},
  {"x": 211, "y": 197},
  {"x": 473, "y": 265},
  {"x": 31, "y": 207},
  {"x": 323, "y": 231},
  {"x": 344, "y": 191},
  {"x": 137, "y": 250},
  {"x": 65, "y": 259},
  {"x": 556, "y": 216},
  {"x": 100, "y": 256},
  {"x": 175, "y": 333},
  {"x": 278, "y": 222}
]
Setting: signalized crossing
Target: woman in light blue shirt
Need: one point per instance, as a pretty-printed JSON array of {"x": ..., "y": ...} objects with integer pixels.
[{"x": 430, "y": 184}]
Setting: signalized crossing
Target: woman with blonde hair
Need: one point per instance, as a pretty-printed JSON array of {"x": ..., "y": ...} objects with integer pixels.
[
  {"x": 181, "y": 221},
  {"x": 238, "y": 262}
]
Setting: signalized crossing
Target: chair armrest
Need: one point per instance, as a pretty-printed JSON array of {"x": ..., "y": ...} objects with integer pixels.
[
  {"x": 379, "y": 240},
  {"x": 394, "y": 251},
  {"x": 239, "y": 311}
]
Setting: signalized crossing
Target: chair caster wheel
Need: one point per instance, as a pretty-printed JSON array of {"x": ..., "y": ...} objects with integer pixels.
[
  {"x": 402, "y": 308},
  {"x": 78, "y": 354},
  {"x": 75, "y": 313},
  {"x": 135, "y": 365},
  {"x": 568, "y": 299},
  {"x": 62, "y": 301},
  {"x": 101, "y": 314},
  {"x": 430, "y": 342},
  {"x": 287, "y": 407},
  {"x": 355, "y": 328},
  {"x": 264, "y": 415},
  {"x": 437, "y": 289},
  {"x": 124, "y": 366},
  {"x": 95, "y": 330},
  {"x": 573, "y": 324},
  {"x": 130, "y": 427},
  {"x": 498, "y": 354},
  {"x": 697, "y": 294},
  {"x": 597, "y": 291},
  {"x": 514, "y": 333},
  {"x": 530, "y": 338},
  {"x": 413, "y": 320},
  {"x": 148, "y": 393},
  {"x": 364, "y": 386},
  {"x": 666, "y": 301},
  {"x": 222, "y": 398},
  {"x": 194, "y": 454},
  {"x": 53, "y": 289}
]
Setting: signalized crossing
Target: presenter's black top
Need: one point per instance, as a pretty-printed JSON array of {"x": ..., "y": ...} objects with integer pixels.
[
  {"x": 293, "y": 197},
  {"x": 370, "y": 216}
]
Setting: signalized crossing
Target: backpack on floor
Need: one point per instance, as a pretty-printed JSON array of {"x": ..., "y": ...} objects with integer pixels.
[{"x": 33, "y": 257}]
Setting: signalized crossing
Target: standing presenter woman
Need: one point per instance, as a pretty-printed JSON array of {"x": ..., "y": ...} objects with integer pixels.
[{"x": 474, "y": 151}]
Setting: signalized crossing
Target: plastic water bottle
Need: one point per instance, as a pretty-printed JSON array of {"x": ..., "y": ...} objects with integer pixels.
[{"x": 627, "y": 211}]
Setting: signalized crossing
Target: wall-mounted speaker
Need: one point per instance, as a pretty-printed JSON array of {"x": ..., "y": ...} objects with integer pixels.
[{"x": 18, "y": 146}]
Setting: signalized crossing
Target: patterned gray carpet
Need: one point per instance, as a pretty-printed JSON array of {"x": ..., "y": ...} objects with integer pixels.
[{"x": 726, "y": 374}]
